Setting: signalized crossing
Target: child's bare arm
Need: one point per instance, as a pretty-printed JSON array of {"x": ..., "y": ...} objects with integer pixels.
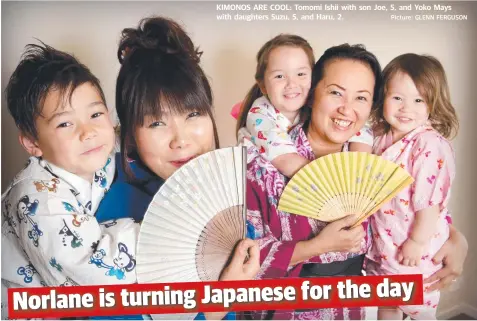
[
  {"x": 363, "y": 140},
  {"x": 423, "y": 229},
  {"x": 425, "y": 224},
  {"x": 360, "y": 147},
  {"x": 433, "y": 170},
  {"x": 289, "y": 164}
]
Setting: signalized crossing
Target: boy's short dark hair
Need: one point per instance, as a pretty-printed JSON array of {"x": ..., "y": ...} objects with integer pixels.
[{"x": 42, "y": 68}]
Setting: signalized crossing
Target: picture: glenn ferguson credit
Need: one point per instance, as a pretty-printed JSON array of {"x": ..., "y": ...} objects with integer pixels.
[
  {"x": 425, "y": 12},
  {"x": 429, "y": 17}
]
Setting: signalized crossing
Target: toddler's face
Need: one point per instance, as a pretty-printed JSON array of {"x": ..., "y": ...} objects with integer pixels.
[
  {"x": 287, "y": 79},
  {"x": 404, "y": 107},
  {"x": 78, "y": 135}
]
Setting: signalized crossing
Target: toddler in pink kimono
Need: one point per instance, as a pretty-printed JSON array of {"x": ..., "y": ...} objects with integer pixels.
[{"x": 412, "y": 126}]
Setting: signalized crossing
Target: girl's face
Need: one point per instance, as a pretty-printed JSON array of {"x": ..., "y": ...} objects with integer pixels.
[
  {"x": 166, "y": 144},
  {"x": 287, "y": 79},
  {"x": 343, "y": 101},
  {"x": 404, "y": 107}
]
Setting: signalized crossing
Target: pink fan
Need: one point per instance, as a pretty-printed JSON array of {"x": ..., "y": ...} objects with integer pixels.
[{"x": 236, "y": 110}]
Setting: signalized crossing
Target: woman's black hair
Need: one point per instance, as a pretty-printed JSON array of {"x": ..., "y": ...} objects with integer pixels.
[
  {"x": 160, "y": 72},
  {"x": 351, "y": 52}
]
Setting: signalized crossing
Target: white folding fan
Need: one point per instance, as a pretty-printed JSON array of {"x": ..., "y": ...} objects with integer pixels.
[
  {"x": 194, "y": 221},
  {"x": 335, "y": 185}
]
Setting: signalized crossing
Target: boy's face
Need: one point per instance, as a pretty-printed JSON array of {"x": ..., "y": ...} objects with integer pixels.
[{"x": 77, "y": 136}]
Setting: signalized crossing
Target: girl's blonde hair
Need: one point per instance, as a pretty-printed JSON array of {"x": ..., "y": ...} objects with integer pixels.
[
  {"x": 430, "y": 79},
  {"x": 282, "y": 40}
]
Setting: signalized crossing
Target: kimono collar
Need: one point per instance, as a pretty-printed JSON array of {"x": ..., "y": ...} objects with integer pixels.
[
  {"x": 148, "y": 181},
  {"x": 393, "y": 150},
  {"x": 82, "y": 189},
  {"x": 266, "y": 102},
  {"x": 76, "y": 182}
]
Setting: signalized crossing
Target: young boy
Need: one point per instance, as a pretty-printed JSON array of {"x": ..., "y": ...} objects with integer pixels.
[{"x": 50, "y": 236}]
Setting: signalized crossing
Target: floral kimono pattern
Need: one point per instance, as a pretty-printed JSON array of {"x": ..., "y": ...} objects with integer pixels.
[
  {"x": 278, "y": 232},
  {"x": 267, "y": 129}
]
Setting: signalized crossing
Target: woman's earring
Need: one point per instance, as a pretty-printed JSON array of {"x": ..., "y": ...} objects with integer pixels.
[{"x": 124, "y": 52}]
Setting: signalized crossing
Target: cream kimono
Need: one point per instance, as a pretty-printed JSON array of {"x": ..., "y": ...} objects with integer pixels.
[{"x": 50, "y": 236}]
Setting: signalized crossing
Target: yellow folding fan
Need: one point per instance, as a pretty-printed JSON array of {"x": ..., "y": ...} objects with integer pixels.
[{"x": 339, "y": 184}]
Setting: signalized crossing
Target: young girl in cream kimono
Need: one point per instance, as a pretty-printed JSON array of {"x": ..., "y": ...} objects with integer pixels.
[{"x": 412, "y": 126}]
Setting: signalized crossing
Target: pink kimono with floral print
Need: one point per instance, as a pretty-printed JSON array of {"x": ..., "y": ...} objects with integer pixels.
[
  {"x": 429, "y": 158},
  {"x": 278, "y": 232}
]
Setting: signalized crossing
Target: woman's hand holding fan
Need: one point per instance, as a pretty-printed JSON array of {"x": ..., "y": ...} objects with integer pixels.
[
  {"x": 244, "y": 265},
  {"x": 339, "y": 237},
  {"x": 334, "y": 237},
  {"x": 245, "y": 262}
]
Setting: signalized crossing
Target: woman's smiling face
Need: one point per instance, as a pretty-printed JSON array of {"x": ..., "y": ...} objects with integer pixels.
[
  {"x": 342, "y": 101},
  {"x": 165, "y": 144}
]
